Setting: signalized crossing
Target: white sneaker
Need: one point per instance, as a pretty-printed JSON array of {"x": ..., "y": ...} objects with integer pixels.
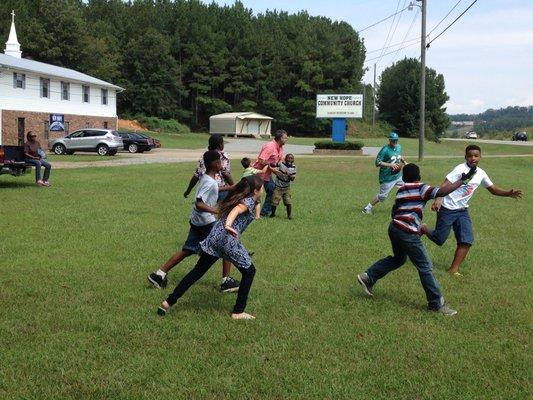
[{"x": 367, "y": 210}]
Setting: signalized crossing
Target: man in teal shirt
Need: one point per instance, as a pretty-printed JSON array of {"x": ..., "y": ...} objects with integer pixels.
[{"x": 390, "y": 163}]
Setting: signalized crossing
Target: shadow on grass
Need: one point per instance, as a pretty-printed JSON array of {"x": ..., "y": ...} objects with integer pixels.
[
  {"x": 15, "y": 184},
  {"x": 392, "y": 300}
]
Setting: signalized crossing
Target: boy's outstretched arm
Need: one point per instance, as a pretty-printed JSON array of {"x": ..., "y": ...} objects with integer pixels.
[
  {"x": 447, "y": 187},
  {"x": 438, "y": 200},
  {"x": 496, "y": 191}
]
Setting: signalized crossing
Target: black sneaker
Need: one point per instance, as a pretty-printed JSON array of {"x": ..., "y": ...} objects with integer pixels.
[
  {"x": 157, "y": 281},
  {"x": 230, "y": 285},
  {"x": 161, "y": 311},
  {"x": 365, "y": 283}
]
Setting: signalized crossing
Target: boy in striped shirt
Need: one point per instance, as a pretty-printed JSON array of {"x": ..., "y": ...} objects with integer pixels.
[{"x": 404, "y": 234}]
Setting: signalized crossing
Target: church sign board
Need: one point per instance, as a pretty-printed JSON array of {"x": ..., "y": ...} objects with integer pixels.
[{"x": 339, "y": 106}]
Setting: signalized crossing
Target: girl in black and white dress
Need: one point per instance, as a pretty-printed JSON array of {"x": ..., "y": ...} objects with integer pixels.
[{"x": 236, "y": 212}]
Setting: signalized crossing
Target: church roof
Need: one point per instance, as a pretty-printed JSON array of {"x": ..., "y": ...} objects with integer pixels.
[{"x": 23, "y": 64}]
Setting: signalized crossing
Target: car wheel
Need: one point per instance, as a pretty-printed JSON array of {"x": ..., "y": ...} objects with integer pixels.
[
  {"x": 132, "y": 148},
  {"x": 60, "y": 149},
  {"x": 102, "y": 150}
]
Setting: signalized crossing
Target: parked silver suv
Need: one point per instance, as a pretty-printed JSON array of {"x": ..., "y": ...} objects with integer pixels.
[{"x": 103, "y": 141}]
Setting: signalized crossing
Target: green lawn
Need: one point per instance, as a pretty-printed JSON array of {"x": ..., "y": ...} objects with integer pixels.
[
  {"x": 84, "y": 157},
  {"x": 77, "y": 317},
  {"x": 181, "y": 140}
]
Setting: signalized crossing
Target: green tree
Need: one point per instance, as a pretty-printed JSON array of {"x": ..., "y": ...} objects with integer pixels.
[{"x": 398, "y": 98}]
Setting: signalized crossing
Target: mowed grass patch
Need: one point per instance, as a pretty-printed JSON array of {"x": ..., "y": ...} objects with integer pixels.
[
  {"x": 77, "y": 317},
  {"x": 181, "y": 140}
]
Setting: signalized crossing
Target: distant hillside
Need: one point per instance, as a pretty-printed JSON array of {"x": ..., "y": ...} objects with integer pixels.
[{"x": 504, "y": 119}]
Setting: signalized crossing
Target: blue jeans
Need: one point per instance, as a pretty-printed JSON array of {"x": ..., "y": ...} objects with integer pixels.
[
  {"x": 38, "y": 164},
  {"x": 408, "y": 245},
  {"x": 267, "y": 205},
  {"x": 461, "y": 223}
]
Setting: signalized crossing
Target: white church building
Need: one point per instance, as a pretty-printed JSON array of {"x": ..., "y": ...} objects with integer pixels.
[{"x": 48, "y": 100}]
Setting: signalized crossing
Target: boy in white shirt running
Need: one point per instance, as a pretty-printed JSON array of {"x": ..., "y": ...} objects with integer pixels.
[{"x": 452, "y": 210}]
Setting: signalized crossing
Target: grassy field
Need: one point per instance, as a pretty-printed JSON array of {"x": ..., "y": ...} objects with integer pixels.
[
  {"x": 84, "y": 157},
  {"x": 77, "y": 317}
]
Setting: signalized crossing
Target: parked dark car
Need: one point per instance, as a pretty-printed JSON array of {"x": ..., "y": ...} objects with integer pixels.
[
  {"x": 520, "y": 136},
  {"x": 135, "y": 143},
  {"x": 157, "y": 143}
]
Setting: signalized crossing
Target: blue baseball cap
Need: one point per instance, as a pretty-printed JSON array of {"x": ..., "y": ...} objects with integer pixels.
[{"x": 393, "y": 136}]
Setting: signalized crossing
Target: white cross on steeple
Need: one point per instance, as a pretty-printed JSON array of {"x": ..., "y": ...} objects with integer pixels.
[{"x": 12, "y": 16}]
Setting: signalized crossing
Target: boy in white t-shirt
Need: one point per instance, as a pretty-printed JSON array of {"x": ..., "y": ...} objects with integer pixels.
[{"x": 453, "y": 208}]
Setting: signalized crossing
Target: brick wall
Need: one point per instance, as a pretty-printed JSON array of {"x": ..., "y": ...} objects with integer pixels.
[{"x": 35, "y": 122}]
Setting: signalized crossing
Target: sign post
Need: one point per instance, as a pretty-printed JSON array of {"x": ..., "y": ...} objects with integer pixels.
[
  {"x": 338, "y": 130},
  {"x": 339, "y": 107}
]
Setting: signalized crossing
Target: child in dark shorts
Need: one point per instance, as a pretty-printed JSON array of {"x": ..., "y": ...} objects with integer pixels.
[
  {"x": 452, "y": 210},
  {"x": 201, "y": 222},
  {"x": 404, "y": 235},
  {"x": 236, "y": 211}
]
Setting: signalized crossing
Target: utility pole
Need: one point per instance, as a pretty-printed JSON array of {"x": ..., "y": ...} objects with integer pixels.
[
  {"x": 374, "y": 97},
  {"x": 422, "y": 84}
]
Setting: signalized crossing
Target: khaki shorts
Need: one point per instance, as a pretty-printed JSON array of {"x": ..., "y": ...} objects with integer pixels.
[{"x": 282, "y": 193}]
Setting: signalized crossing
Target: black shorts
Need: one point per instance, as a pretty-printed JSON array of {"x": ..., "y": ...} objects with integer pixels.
[{"x": 195, "y": 236}]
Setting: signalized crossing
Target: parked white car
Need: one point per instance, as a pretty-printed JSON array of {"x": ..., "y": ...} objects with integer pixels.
[
  {"x": 103, "y": 141},
  {"x": 471, "y": 135}
]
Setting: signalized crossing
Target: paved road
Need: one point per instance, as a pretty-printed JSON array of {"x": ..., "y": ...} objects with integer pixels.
[{"x": 492, "y": 141}]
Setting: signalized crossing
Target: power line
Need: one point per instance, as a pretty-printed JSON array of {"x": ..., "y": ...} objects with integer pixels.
[
  {"x": 446, "y": 16},
  {"x": 397, "y": 23},
  {"x": 407, "y": 34},
  {"x": 382, "y": 20},
  {"x": 393, "y": 51},
  {"x": 394, "y": 45},
  {"x": 454, "y": 21},
  {"x": 388, "y": 33}
]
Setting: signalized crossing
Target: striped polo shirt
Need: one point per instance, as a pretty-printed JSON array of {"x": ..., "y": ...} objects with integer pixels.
[{"x": 409, "y": 205}]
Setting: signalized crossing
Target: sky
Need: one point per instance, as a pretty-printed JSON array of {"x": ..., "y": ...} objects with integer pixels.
[{"x": 486, "y": 57}]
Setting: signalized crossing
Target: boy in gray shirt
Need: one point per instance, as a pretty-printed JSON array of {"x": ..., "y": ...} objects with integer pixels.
[
  {"x": 285, "y": 173},
  {"x": 201, "y": 221}
]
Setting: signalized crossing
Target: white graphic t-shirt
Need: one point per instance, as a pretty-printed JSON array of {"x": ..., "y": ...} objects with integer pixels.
[{"x": 458, "y": 199}]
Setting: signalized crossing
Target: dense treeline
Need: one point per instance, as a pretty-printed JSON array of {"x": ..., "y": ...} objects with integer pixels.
[
  {"x": 504, "y": 119},
  {"x": 188, "y": 60}
]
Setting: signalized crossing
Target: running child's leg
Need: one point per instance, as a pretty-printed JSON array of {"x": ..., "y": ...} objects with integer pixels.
[
  {"x": 287, "y": 200},
  {"x": 460, "y": 254},
  {"x": 202, "y": 266},
  {"x": 244, "y": 289},
  {"x": 382, "y": 267},
  {"x": 175, "y": 260},
  {"x": 445, "y": 221},
  {"x": 464, "y": 235},
  {"x": 419, "y": 256}
]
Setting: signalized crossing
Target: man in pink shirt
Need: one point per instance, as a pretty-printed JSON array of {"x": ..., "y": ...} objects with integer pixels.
[{"x": 271, "y": 154}]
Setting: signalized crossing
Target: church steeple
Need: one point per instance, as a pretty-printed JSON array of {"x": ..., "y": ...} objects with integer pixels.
[{"x": 12, "y": 44}]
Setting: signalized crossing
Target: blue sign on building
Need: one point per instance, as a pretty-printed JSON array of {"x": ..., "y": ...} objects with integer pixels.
[{"x": 57, "y": 122}]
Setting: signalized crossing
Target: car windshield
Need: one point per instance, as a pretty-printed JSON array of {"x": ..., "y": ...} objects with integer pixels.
[{"x": 115, "y": 133}]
